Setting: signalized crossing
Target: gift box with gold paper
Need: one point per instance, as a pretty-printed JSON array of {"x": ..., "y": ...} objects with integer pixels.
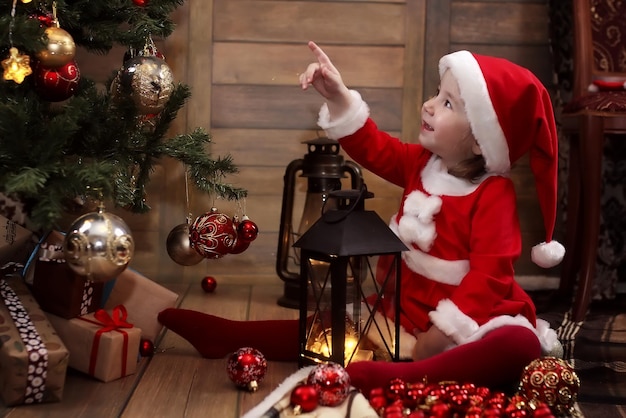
[
  {"x": 57, "y": 288},
  {"x": 144, "y": 299},
  {"x": 102, "y": 344},
  {"x": 33, "y": 359},
  {"x": 14, "y": 241}
]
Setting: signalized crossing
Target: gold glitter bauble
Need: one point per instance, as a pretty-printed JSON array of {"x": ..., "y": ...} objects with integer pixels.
[
  {"x": 98, "y": 246},
  {"x": 148, "y": 80},
  {"x": 60, "y": 50}
]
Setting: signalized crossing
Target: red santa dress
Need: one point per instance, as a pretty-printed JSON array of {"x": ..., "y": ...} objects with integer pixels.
[{"x": 463, "y": 238}]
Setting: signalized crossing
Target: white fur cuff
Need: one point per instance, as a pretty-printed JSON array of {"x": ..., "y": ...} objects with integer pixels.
[
  {"x": 452, "y": 322},
  {"x": 351, "y": 121}
]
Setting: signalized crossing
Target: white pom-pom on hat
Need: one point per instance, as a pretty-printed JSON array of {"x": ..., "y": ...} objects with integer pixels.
[{"x": 547, "y": 254}]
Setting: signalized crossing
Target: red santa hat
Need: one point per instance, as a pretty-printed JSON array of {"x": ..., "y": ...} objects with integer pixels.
[{"x": 510, "y": 113}]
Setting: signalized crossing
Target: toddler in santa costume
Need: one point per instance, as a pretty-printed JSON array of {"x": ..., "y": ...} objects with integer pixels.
[{"x": 463, "y": 315}]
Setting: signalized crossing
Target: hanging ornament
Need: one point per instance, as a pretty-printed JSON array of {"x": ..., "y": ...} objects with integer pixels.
[
  {"x": 140, "y": 3},
  {"x": 179, "y": 247},
  {"x": 148, "y": 81},
  {"x": 17, "y": 66},
  {"x": 331, "y": 381},
  {"x": 56, "y": 84},
  {"x": 149, "y": 50},
  {"x": 246, "y": 367},
  {"x": 247, "y": 230},
  {"x": 304, "y": 398},
  {"x": 60, "y": 47},
  {"x": 98, "y": 246},
  {"x": 146, "y": 348},
  {"x": 45, "y": 19},
  {"x": 208, "y": 284},
  {"x": 240, "y": 245},
  {"x": 213, "y": 234},
  {"x": 550, "y": 380}
]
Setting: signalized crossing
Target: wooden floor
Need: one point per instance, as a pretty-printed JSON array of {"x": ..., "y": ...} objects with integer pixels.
[{"x": 176, "y": 382}]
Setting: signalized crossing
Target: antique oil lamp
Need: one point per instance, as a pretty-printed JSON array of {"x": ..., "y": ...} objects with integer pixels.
[{"x": 324, "y": 168}]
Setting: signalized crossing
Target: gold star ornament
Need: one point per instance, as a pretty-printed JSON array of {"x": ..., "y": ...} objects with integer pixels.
[{"x": 16, "y": 67}]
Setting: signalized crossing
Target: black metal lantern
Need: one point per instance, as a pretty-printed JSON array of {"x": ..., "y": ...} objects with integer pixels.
[
  {"x": 338, "y": 270},
  {"x": 324, "y": 168}
]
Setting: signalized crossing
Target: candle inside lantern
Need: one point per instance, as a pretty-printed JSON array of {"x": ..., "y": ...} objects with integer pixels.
[{"x": 323, "y": 343}]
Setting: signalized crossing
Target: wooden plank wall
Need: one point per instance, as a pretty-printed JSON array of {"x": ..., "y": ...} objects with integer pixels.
[{"x": 242, "y": 58}]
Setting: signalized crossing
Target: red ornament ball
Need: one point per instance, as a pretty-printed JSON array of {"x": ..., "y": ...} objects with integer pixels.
[
  {"x": 213, "y": 234},
  {"x": 247, "y": 230},
  {"x": 332, "y": 382},
  {"x": 394, "y": 410},
  {"x": 140, "y": 3},
  {"x": 208, "y": 284},
  {"x": 56, "y": 84},
  {"x": 396, "y": 389},
  {"x": 550, "y": 380},
  {"x": 246, "y": 367},
  {"x": 46, "y": 20},
  {"x": 240, "y": 246},
  {"x": 304, "y": 398},
  {"x": 146, "y": 348}
]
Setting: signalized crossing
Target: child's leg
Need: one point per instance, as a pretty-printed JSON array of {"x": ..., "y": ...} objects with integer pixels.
[
  {"x": 216, "y": 337},
  {"x": 497, "y": 359}
]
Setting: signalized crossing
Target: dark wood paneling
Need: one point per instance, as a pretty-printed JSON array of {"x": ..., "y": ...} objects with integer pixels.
[
  {"x": 301, "y": 21},
  {"x": 280, "y": 64},
  {"x": 499, "y": 23},
  {"x": 282, "y": 107}
]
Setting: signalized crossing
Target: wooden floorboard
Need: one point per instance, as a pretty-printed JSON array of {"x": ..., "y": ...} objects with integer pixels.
[
  {"x": 177, "y": 381},
  {"x": 263, "y": 306}
]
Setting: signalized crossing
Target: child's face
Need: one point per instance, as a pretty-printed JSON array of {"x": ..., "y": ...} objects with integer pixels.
[{"x": 446, "y": 130}]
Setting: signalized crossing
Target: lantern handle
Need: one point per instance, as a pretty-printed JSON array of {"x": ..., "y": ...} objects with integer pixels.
[{"x": 335, "y": 216}]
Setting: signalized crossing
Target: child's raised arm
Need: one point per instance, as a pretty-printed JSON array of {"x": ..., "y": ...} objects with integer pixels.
[{"x": 326, "y": 79}]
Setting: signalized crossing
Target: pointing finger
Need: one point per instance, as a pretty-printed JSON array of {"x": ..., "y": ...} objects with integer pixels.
[{"x": 322, "y": 58}]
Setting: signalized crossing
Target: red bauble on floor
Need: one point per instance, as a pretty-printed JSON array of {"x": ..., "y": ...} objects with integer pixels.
[
  {"x": 146, "y": 348},
  {"x": 246, "y": 367},
  {"x": 208, "y": 284}
]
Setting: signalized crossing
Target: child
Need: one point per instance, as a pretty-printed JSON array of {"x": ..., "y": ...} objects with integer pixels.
[{"x": 461, "y": 309}]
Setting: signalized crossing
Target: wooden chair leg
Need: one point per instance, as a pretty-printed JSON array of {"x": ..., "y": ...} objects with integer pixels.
[
  {"x": 571, "y": 262},
  {"x": 591, "y": 146}
]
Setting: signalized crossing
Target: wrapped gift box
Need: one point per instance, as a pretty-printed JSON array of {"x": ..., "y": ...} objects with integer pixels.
[
  {"x": 56, "y": 287},
  {"x": 144, "y": 299},
  {"x": 20, "y": 381},
  {"x": 14, "y": 241},
  {"x": 102, "y": 344}
]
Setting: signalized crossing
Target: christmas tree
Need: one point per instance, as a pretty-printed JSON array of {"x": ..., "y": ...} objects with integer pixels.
[{"x": 62, "y": 138}]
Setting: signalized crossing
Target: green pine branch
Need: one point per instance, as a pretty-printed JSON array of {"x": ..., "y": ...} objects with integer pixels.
[{"x": 53, "y": 153}]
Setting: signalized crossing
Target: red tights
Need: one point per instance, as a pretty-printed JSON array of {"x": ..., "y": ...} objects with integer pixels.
[{"x": 495, "y": 360}]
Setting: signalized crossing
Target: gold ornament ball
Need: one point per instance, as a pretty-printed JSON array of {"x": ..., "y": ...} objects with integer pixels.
[
  {"x": 60, "y": 50},
  {"x": 148, "y": 81},
  {"x": 551, "y": 380},
  {"x": 98, "y": 246},
  {"x": 179, "y": 247}
]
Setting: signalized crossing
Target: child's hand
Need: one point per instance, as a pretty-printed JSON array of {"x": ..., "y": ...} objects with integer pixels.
[
  {"x": 431, "y": 342},
  {"x": 325, "y": 78}
]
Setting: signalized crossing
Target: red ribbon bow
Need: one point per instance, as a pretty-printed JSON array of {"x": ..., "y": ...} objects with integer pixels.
[
  {"x": 115, "y": 321},
  {"x": 109, "y": 323}
]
